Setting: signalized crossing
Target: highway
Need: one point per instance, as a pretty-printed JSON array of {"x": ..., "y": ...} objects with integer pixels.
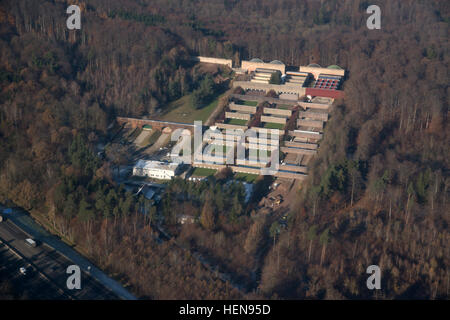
[
  {"x": 48, "y": 262},
  {"x": 30, "y": 286}
]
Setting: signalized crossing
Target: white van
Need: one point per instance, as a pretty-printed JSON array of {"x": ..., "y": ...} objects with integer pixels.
[{"x": 31, "y": 242}]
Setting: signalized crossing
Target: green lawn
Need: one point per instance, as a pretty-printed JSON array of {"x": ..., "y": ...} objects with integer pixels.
[
  {"x": 270, "y": 125},
  {"x": 248, "y": 103},
  {"x": 224, "y": 150},
  {"x": 247, "y": 177},
  {"x": 238, "y": 122},
  {"x": 268, "y": 153},
  {"x": 203, "y": 172},
  {"x": 283, "y": 106},
  {"x": 182, "y": 110}
]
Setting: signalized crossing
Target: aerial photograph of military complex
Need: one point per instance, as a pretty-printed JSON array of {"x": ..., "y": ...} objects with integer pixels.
[{"x": 201, "y": 152}]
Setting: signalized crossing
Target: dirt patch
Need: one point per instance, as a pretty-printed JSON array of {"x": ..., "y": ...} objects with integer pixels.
[
  {"x": 143, "y": 138},
  {"x": 167, "y": 130},
  {"x": 204, "y": 68},
  {"x": 161, "y": 142}
]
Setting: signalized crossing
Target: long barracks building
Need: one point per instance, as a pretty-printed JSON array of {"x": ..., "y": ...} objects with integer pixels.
[{"x": 312, "y": 80}]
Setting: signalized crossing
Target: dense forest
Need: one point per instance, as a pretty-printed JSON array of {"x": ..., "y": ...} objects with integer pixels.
[{"x": 377, "y": 192}]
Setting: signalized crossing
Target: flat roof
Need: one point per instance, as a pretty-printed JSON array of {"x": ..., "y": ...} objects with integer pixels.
[
  {"x": 297, "y": 73},
  {"x": 151, "y": 164},
  {"x": 265, "y": 70}
]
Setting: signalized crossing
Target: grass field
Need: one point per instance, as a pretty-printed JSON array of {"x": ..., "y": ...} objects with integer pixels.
[
  {"x": 270, "y": 125},
  {"x": 203, "y": 172},
  {"x": 224, "y": 150},
  {"x": 247, "y": 177},
  {"x": 238, "y": 122},
  {"x": 283, "y": 106},
  {"x": 183, "y": 111},
  {"x": 248, "y": 103},
  {"x": 259, "y": 154}
]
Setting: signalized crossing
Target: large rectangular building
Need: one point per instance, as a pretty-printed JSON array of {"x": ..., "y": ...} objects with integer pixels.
[{"x": 155, "y": 169}]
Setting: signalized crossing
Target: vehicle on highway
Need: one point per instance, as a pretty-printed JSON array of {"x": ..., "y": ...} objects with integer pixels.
[
  {"x": 31, "y": 242},
  {"x": 23, "y": 271}
]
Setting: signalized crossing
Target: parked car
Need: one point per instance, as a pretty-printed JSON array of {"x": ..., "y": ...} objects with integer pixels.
[
  {"x": 31, "y": 242},
  {"x": 23, "y": 271}
]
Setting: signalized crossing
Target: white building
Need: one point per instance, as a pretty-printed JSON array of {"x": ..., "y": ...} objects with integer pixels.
[{"x": 155, "y": 169}]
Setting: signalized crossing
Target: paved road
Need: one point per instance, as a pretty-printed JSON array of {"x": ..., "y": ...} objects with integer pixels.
[
  {"x": 30, "y": 286},
  {"x": 54, "y": 256},
  {"x": 49, "y": 265}
]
